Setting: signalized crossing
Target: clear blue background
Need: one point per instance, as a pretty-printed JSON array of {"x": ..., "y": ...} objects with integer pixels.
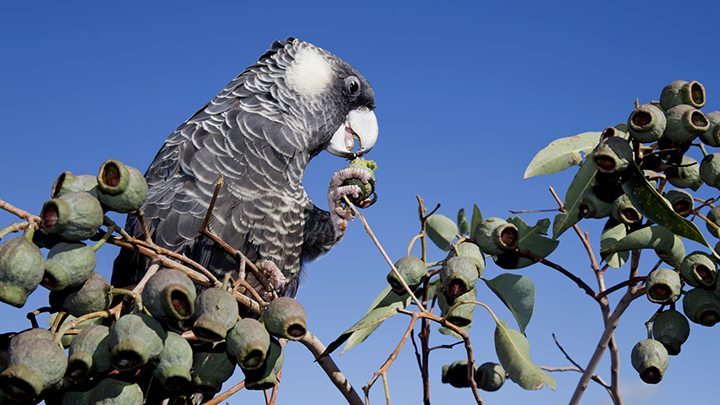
[{"x": 467, "y": 93}]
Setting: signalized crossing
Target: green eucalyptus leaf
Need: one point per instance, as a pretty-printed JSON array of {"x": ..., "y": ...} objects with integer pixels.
[
  {"x": 517, "y": 293},
  {"x": 651, "y": 237},
  {"x": 652, "y": 206},
  {"x": 513, "y": 351},
  {"x": 441, "y": 230},
  {"x": 530, "y": 238},
  {"x": 622, "y": 127},
  {"x": 385, "y": 306},
  {"x": 476, "y": 219},
  {"x": 584, "y": 179},
  {"x": 613, "y": 232},
  {"x": 562, "y": 154}
]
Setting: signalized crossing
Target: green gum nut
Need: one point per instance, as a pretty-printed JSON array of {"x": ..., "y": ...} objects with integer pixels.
[
  {"x": 699, "y": 269},
  {"x": 702, "y": 306},
  {"x": 490, "y": 376},
  {"x": 88, "y": 354},
  {"x": 68, "y": 264},
  {"x": 33, "y": 333},
  {"x": 458, "y": 275},
  {"x": 216, "y": 311},
  {"x": 612, "y": 155},
  {"x": 710, "y": 170},
  {"x": 211, "y": 368},
  {"x": 672, "y": 329},
  {"x": 21, "y": 269},
  {"x": 265, "y": 377},
  {"x": 169, "y": 295},
  {"x": 285, "y": 318},
  {"x": 495, "y": 236},
  {"x": 248, "y": 342},
  {"x": 33, "y": 365},
  {"x": 367, "y": 189},
  {"x": 647, "y": 123},
  {"x": 714, "y": 217},
  {"x": 121, "y": 188},
  {"x": 470, "y": 251},
  {"x": 682, "y": 92},
  {"x": 68, "y": 182},
  {"x": 413, "y": 271},
  {"x": 711, "y": 137},
  {"x": 624, "y": 211},
  {"x": 663, "y": 286},
  {"x": 462, "y": 315},
  {"x": 682, "y": 202},
  {"x": 687, "y": 175},
  {"x": 175, "y": 362},
  {"x": 685, "y": 123},
  {"x": 592, "y": 206},
  {"x": 649, "y": 358},
  {"x": 115, "y": 392},
  {"x": 456, "y": 374},
  {"x": 74, "y": 216},
  {"x": 134, "y": 340},
  {"x": 94, "y": 295}
]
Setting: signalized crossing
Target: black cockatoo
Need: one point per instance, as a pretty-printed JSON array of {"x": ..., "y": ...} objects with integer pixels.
[{"x": 260, "y": 133}]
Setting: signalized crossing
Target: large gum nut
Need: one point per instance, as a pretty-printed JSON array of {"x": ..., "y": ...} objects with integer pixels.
[
  {"x": 121, "y": 188},
  {"x": 682, "y": 92},
  {"x": 663, "y": 286},
  {"x": 134, "y": 340},
  {"x": 169, "y": 295},
  {"x": 175, "y": 362},
  {"x": 647, "y": 123},
  {"x": 285, "y": 318},
  {"x": 21, "y": 269},
  {"x": 458, "y": 276},
  {"x": 496, "y": 236},
  {"x": 211, "y": 367},
  {"x": 265, "y": 377},
  {"x": 33, "y": 366},
  {"x": 685, "y": 123},
  {"x": 74, "y": 216},
  {"x": 216, "y": 312},
  {"x": 412, "y": 269},
  {"x": 650, "y": 359},
  {"x": 116, "y": 392},
  {"x": 248, "y": 341},
  {"x": 88, "y": 354},
  {"x": 672, "y": 329},
  {"x": 68, "y": 264}
]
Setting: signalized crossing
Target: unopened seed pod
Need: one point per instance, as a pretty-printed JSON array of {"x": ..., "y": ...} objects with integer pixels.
[
  {"x": 710, "y": 170},
  {"x": 265, "y": 377},
  {"x": 472, "y": 252},
  {"x": 366, "y": 188},
  {"x": 714, "y": 217},
  {"x": 456, "y": 374},
  {"x": 612, "y": 155},
  {"x": 21, "y": 269},
  {"x": 74, "y": 216},
  {"x": 33, "y": 365},
  {"x": 699, "y": 269},
  {"x": 110, "y": 391},
  {"x": 211, "y": 367},
  {"x": 121, "y": 188},
  {"x": 647, "y": 123},
  {"x": 490, "y": 376},
  {"x": 88, "y": 354},
  {"x": 216, "y": 311},
  {"x": 462, "y": 315},
  {"x": 285, "y": 318},
  {"x": 687, "y": 175},
  {"x": 682, "y": 92},
  {"x": 413, "y": 271},
  {"x": 68, "y": 264},
  {"x": 248, "y": 342},
  {"x": 458, "y": 275},
  {"x": 663, "y": 286},
  {"x": 169, "y": 295},
  {"x": 134, "y": 340},
  {"x": 496, "y": 236},
  {"x": 624, "y": 211},
  {"x": 175, "y": 362},
  {"x": 682, "y": 202},
  {"x": 68, "y": 182},
  {"x": 649, "y": 358},
  {"x": 94, "y": 295},
  {"x": 711, "y": 137},
  {"x": 671, "y": 328},
  {"x": 685, "y": 123},
  {"x": 701, "y": 306}
]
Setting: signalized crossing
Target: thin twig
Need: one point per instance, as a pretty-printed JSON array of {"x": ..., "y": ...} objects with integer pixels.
[
  {"x": 383, "y": 369},
  {"x": 577, "y": 280}
]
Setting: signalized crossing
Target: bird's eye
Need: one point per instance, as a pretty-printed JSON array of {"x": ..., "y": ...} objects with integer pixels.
[{"x": 352, "y": 84}]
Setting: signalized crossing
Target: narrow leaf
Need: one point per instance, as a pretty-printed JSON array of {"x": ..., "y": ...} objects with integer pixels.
[
  {"x": 613, "y": 232},
  {"x": 476, "y": 219},
  {"x": 584, "y": 179},
  {"x": 562, "y": 154},
  {"x": 530, "y": 238},
  {"x": 441, "y": 230},
  {"x": 517, "y": 293},
  {"x": 651, "y": 237},
  {"x": 513, "y": 351}
]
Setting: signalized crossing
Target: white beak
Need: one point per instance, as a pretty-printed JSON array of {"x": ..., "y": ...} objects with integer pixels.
[{"x": 360, "y": 125}]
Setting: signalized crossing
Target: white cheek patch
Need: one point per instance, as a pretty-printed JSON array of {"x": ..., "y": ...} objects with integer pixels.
[{"x": 309, "y": 74}]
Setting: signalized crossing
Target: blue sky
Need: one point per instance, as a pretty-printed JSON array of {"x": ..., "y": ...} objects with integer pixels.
[{"x": 466, "y": 93}]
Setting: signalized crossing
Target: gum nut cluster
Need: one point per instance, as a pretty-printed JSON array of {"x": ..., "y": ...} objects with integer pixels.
[
  {"x": 488, "y": 377},
  {"x": 366, "y": 188},
  {"x": 461, "y": 269}
]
